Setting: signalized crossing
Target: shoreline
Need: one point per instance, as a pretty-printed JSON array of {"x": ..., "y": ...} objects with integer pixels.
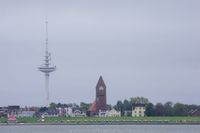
[
  {"x": 177, "y": 120},
  {"x": 102, "y": 123}
]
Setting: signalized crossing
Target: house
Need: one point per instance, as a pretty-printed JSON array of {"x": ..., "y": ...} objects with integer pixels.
[
  {"x": 92, "y": 111},
  {"x": 69, "y": 112},
  {"x": 113, "y": 113},
  {"x": 78, "y": 113},
  {"x": 3, "y": 111},
  {"x": 103, "y": 113},
  {"x": 49, "y": 114},
  {"x": 138, "y": 110},
  {"x": 13, "y": 110},
  {"x": 26, "y": 114},
  {"x": 11, "y": 118},
  {"x": 61, "y": 111}
]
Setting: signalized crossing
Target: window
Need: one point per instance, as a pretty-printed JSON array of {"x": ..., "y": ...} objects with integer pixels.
[{"x": 101, "y": 88}]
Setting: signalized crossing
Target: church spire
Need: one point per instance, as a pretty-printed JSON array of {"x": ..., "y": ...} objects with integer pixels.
[{"x": 101, "y": 82}]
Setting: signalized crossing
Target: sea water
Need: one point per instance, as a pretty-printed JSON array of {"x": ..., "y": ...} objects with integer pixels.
[{"x": 101, "y": 129}]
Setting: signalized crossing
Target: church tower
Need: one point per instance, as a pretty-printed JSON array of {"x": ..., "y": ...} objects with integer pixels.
[{"x": 101, "y": 95}]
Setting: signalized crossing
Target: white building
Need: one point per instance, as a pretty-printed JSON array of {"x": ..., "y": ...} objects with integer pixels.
[
  {"x": 50, "y": 114},
  {"x": 103, "y": 113},
  {"x": 114, "y": 113},
  {"x": 138, "y": 111},
  {"x": 26, "y": 114},
  {"x": 78, "y": 113},
  {"x": 69, "y": 112},
  {"x": 61, "y": 111},
  {"x": 111, "y": 113}
]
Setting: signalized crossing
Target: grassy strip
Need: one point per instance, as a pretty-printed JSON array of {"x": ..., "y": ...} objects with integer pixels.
[{"x": 173, "y": 119}]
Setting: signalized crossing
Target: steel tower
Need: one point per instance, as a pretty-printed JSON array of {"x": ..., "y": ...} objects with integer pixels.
[{"x": 46, "y": 68}]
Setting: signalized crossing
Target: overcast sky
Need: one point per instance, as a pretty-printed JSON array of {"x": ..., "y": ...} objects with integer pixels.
[{"x": 141, "y": 48}]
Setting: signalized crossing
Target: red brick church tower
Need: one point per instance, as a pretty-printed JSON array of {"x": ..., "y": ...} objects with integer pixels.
[{"x": 101, "y": 95}]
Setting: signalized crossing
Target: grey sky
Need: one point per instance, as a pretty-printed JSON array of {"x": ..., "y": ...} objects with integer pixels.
[{"x": 141, "y": 48}]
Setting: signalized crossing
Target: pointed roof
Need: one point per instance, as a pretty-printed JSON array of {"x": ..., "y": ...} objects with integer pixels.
[
  {"x": 100, "y": 82},
  {"x": 93, "y": 107}
]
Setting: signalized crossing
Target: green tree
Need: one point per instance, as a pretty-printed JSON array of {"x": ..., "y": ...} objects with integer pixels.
[
  {"x": 52, "y": 105},
  {"x": 139, "y": 100},
  {"x": 84, "y": 106},
  {"x": 180, "y": 109},
  {"x": 127, "y": 105},
  {"x": 109, "y": 106},
  {"x": 60, "y": 105},
  {"x": 150, "y": 111},
  {"x": 119, "y": 106},
  {"x": 43, "y": 109},
  {"x": 159, "y": 109},
  {"x": 168, "y": 108}
]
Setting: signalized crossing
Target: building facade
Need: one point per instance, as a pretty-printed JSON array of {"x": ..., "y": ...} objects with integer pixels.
[
  {"x": 26, "y": 114},
  {"x": 114, "y": 113},
  {"x": 138, "y": 111}
]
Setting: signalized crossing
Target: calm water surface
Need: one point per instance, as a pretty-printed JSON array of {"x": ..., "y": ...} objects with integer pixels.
[{"x": 101, "y": 129}]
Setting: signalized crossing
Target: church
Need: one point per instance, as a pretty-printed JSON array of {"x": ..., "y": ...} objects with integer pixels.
[{"x": 100, "y": 104}]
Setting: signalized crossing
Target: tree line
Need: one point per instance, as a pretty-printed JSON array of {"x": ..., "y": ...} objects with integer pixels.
[{"x": 158, "y": 109}]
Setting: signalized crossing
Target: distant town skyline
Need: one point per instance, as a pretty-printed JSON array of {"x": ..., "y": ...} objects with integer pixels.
[{"x": 141, "y": 48}]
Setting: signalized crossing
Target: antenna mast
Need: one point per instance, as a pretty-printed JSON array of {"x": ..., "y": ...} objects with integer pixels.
[
  {"x": 46, "y": 22},
  {"x": 46, "y": 68}
]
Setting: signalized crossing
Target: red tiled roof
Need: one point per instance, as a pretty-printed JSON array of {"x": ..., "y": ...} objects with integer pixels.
[{"x": 93, "y": 107}]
